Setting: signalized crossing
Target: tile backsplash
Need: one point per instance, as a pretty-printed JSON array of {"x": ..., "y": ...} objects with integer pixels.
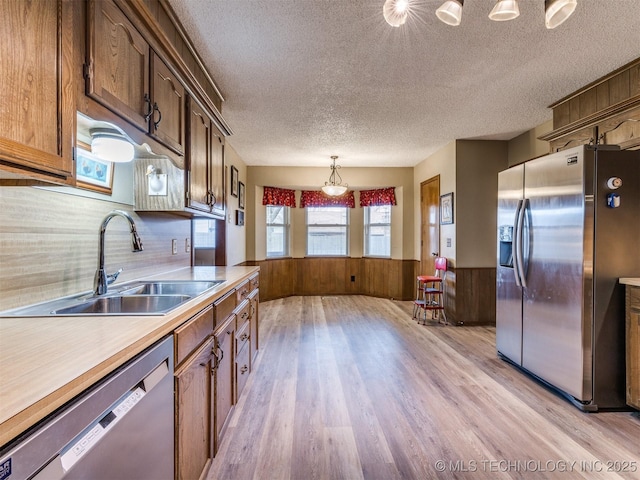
[{"x": 49, "y": 244}]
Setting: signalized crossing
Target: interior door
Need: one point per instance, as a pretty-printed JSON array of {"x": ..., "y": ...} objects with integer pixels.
[{"x": 430, "y": 224}]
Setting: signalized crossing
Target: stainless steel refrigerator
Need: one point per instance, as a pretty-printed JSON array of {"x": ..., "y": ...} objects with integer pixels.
[{"x": 568, "y": 228}]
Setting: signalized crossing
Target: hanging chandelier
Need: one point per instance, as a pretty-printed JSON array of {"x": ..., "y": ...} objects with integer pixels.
[
  {"x": 395, "y": 12},
  {"x": 332, "y": 188}
]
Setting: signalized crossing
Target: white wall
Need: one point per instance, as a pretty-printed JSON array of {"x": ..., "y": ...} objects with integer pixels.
[
  {"x": 236, "y": 235},
  {"x": 442, "y": 163}
]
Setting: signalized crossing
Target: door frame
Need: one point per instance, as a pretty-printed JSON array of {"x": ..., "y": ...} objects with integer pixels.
[{"x": 427, "y": 265}]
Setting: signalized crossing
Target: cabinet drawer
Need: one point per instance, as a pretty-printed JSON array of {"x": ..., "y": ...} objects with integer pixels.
[
  {"x": 254, "y": 282},
  {"x": 243, "y": 290},
  {"x": 243, "y": 312},
  {"x": 190, "y": 335},
  {"x": 223, "y": 307},
  {"x": 243, "y": 369},
  {"x": 242, "y": 336}
]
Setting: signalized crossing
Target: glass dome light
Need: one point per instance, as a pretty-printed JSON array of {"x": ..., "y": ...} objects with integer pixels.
[
  {"x": 557, "y": 11},
  {"x": 332, "y": 188},
  {"x": 110, "y": 145},
  {"x": 505, "y": 10},
  {"x": 450, "y": 12}
]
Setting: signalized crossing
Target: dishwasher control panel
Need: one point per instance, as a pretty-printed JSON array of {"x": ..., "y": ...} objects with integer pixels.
[{"x": 92, "y": 435}]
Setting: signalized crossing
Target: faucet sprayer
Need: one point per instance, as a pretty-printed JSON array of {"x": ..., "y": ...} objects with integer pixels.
[{"x": 102, "y": 279}]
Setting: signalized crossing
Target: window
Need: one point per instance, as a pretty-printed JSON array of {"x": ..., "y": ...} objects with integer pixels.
[
  {"x": 204, "y": 233},
  {"x": 327, "y": 230},
  {"x": 277, "y": 231},
  {"x": 377, "y": 231}
]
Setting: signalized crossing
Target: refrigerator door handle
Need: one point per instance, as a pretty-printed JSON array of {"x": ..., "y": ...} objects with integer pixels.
[
  {"x": 519, "y": 243},
  {"x": 514, "y": 244}
]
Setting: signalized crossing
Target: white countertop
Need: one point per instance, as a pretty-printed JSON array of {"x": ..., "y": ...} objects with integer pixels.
[
  {"x": 630, "y": 281},
  {"x": 46, "y": 361}
]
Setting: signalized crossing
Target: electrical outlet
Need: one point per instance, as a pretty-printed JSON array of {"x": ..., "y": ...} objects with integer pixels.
[
  {"x": 174, "y": 246},
  {"x": 187, "y": 245},
  {"x": 448, "y": 242}
]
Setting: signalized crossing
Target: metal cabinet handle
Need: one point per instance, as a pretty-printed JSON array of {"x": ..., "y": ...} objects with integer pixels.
[
  {"x": 244, "y": 369},
  {"x": 147, "y": 100},
  {"x": 156, "y": 109}
]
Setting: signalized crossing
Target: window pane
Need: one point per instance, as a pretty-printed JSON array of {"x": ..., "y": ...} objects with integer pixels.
[
  {"x": 277, "y": 231},
  {"x": 377, "y": 231},
  {"x": 204, "y": 233},
  {"x": 327, "y": 215},
  {"x": 327, "y": 231},
  {"x": 275, "y": 214}
]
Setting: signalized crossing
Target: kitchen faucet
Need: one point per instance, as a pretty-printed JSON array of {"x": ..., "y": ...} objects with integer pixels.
[{"x": 102, "y": 280}]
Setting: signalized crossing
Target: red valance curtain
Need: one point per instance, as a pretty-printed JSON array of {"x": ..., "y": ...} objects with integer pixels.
[
  {"x": 380, "y": 196},
  {"x": 316, "y": 198},
  {"x": 279, "y": 196}
]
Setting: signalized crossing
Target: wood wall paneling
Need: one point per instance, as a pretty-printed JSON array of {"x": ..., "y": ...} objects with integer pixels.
[{"x": 469, "y": 296}]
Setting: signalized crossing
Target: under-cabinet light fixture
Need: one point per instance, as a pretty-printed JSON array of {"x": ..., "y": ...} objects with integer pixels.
[{"x": 110, "y": 145}]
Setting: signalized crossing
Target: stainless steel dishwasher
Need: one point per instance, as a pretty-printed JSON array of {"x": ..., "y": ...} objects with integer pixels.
[{"x": 121, "y": 428}]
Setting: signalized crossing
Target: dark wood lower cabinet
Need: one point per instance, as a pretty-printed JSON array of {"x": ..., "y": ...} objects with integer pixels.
[
  {"x": 194, "y": 423},
  {"x": 224, "y": 341}
]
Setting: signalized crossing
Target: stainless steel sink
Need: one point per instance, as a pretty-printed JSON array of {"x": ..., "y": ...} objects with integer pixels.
[
  {"x": 125, "y": 305},
  {"x": 192, "y": 288},
  {"x": 134, "y": 298}
]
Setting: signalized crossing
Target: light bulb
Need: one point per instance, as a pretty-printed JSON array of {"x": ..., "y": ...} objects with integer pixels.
[{"x": 395, "y": 12}]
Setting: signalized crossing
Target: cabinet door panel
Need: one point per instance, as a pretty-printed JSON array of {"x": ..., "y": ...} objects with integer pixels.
[
  {"x": 224, "y": 376},
  {"x": 37, "y": 107},
  {"x": 199, "y": 156},
  {"x": 119, "y": 63},
  {"x": 194, "y": 414},
  {"x": 167, "y": 123},
  {"x": 216, "y": 175}
]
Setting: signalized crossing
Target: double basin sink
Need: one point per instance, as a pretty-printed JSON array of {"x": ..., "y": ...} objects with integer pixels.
[{"x": 134, "y": 298}]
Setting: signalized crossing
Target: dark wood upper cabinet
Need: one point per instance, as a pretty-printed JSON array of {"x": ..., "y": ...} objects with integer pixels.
[
  {"x": 167, "y": 121},
  {"x": 37, "y": 102},
  {"x": 117, "y": 68},
  {"x": 124, "y": 74},
  {"x": 205, "y": 163}
]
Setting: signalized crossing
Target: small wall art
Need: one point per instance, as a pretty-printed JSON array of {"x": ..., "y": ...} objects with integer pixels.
[
  {"x": 234, "y": 181},
  {"x": 446, "y": 208},
  {"x": 93, "y": 173},
  {"x": 239, "y": 217},
  {"x": 241, "y": 195}
]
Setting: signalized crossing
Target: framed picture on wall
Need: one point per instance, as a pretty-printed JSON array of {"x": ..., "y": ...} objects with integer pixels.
[
  {"x": 234, "y": 181},
  {"x": 241, "y": 195},
  {"x": 93, "y": 173},
  {"x": 239, "y": 218},
  {"x": 446, "y": 208}
]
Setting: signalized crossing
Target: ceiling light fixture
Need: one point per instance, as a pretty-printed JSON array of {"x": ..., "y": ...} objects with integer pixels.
[
  {"x": 450, "y": 12},
  {"x": 395, "y": 12},
  {"x": 110, "y": 145},
  {"x": 332, "y": 188},
  {"x": 557, "y": 11},
  {"x": 505, "y": 10}
]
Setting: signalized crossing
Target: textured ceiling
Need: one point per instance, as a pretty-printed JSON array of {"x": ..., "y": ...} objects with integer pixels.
[{"x": 307, "y": 79}]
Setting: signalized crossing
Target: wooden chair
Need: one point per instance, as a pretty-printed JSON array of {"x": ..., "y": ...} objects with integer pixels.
[{"x": 430, "y": 294}]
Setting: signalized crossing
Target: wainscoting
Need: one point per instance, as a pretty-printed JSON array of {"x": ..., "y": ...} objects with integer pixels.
[
  {"x": 471, "y": 296},
  {"x": 470, "y": 292}
]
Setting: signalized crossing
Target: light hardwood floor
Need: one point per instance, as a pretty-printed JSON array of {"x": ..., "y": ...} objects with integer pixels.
[{"x": 350, "y": 387}]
